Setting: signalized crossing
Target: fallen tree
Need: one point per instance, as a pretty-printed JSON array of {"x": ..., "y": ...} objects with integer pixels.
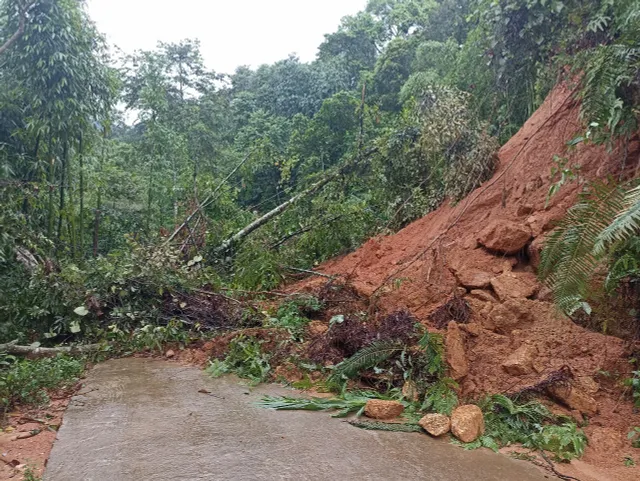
[{"x": 35, "y": 351}]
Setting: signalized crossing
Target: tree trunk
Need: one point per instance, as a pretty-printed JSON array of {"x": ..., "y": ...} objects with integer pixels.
[
  {"x": 38, "y": 352},
  {"x": 81, "y": 227},
  {"x": 52, "y": 172},
  {"x": 63, "y": 173}
]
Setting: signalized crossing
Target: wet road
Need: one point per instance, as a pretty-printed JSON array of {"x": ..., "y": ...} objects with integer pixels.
[{"x": 140, "y": 419}]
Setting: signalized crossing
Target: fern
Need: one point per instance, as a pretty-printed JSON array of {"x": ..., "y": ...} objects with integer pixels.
[
  {"x": 569, "y": 258},
  {"x": 366, "y": 358}
]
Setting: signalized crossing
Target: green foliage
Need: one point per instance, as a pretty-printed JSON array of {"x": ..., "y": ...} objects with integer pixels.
[
  {"x": 244, "y": 358},
  {"x": 634, "y": 384},
  {"x": 441, "y": 396},
  {"x": 366, "y": 358},
  {"x": 26, "y": 382},
  {"x": 565, "y": 441},
  {"x": 634, "y": 436},
  {"x": 530, "y": 424},
  {"x": 577, "y": 247},
  {"x": 292, "y": 315}
]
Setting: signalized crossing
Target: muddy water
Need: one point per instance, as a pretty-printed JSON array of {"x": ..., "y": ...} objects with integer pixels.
[{"x": 139, "y": 420}]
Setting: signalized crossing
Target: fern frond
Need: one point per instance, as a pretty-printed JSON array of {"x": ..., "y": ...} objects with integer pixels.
[
  {"x": 366, "y": 358},
  {"x": 568, "y": 260},
  {"x": 625, "y": 225}
]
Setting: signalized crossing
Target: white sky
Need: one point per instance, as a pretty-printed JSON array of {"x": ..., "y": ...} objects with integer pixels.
[{"x": 231, "y": 32}]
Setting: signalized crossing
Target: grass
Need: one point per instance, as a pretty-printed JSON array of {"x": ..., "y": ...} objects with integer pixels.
[
  {"x": 245, "y": 359},
  {"x": 26, "y": 382}
]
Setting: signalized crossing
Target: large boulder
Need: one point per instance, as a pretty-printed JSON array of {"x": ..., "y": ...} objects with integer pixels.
[
  {"x": 473, "y": 278},
  {"x": 379, "y": 409},
  {"x": 455, "y": 352},
  {"x": 435, "y": 424},
  {"x": 575, "y": 398},
  {"x": 467, "y": 423},
  {"x": 505, "y": 236},
  {"x": 506, "y": 317},
  {"x": 515, "y": 285},
  {"x": 520, "y": 362}
]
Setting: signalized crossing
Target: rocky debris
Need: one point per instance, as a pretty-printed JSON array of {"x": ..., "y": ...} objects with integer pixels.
[
  {"x": 520, "y": 362},
  {"x": 506, "y": 317},
  {"x": 455, "y": 352},
  {"x": 435, "y": 424},
  {"x": 515, "y": 285},
  {"x": 473, "y": 278},
  {"x": 467, "y": 423},
  {"x": 317, "y": 328},
  {"x": 482, "y": 295},
  {"x": 504, "y": 236},
  {"x": 410, "y": 391},
  {"x": 574, "y": 398},
  {"x": 169, "y": 354},
  {"x": 534, "y": 250},
  {"x": 379, "y": 409}
]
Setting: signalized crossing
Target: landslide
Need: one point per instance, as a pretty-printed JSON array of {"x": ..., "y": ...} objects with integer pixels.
[{"x": 485, "y": 250}]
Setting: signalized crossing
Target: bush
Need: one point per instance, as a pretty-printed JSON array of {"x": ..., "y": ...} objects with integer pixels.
[
  {"x": 245, "y": 359},
  {"x": 27, "y": 381}
]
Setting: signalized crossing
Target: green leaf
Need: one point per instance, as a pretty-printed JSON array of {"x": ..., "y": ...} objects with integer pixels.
[{"x": 81, "y": 311}]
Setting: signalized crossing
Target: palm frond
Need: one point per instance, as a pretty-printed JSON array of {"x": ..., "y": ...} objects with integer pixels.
[
  {"x": 393, "y": 427},
  {"x": 625, "y": 225},
  {"x": 366, "y": 358}
]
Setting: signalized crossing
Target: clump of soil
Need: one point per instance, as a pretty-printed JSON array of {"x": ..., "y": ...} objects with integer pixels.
[{"x": 449, "y": 274}]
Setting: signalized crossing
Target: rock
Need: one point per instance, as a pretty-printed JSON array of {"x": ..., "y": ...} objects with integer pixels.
[
  {"x": 524, "y": 210},
  {"x": 317, "y": 328},
  {"x": 505, "y": 236},
  {"x": 473, "y": 329},
  {"x": 467, "y": 423},
  {"x": 455, "y": 352},
  {"x": 473, "y": 278},
  {"x": 379, "y": 409},
  {"x": 435, "y": 424},
  {"x": 169, "y": 354},
  {"x": 520, "y": 362},
  {"x": 587, "y": 384},
  {"x": 575, "y": 399},
  {"x": 515, "y": 285},
  {"x": 410, "y": 391},
  {"x": 534, "y": 250},
  {"x": 504, "y": 318},
  {"x": 482, "y": 295},
  {"x": 544, "y": 294}
]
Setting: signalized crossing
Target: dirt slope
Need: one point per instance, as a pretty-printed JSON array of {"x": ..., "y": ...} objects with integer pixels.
[{"x": 485, "y": 249}]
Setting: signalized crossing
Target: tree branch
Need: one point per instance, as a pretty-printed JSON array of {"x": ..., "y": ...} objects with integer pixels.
[
  {"x": 37, "y": 352},
  {"x": 21, "y": 27}
]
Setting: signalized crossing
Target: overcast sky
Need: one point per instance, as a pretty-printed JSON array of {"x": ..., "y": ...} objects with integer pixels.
[{"x": 232, "y": 32}]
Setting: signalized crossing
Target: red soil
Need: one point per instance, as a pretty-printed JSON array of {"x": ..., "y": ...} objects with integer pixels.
[{"x": 419, "y": 268}]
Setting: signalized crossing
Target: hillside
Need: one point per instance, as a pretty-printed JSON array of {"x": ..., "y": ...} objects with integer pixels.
[{"x": 485, "y": 250}]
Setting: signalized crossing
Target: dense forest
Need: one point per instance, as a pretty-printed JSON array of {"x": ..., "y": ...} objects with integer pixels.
[{"x": 128, "y": 177}]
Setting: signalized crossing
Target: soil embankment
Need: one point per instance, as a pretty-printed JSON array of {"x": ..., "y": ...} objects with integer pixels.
[{"x": 485, "y": 250}]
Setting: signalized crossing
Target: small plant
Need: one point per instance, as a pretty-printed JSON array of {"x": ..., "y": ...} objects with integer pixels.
[
  {"x": 441, "y": 396},
  {"x": 634, "y": 384},
  {"x": 565, "y": 441},
  {"x": 245, "y": 359},
  {"x": 30, "y": 475},
  {"x": 366, "y": 358},
  {"x": 629, "y": 461},
  {"x": 27, "y": 381},
  {"x": 634, "y": 436},
  {"x": 292, "y": 315}
]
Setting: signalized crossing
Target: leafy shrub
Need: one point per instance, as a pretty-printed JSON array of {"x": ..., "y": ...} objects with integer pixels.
[
  {"x": 27, "y": 381},
  {"x": 634, "y": 384},
  {"x": 245, "y": 359},
  {"x": 292, "y": 315},
  {"x": 565, "y": 441}
]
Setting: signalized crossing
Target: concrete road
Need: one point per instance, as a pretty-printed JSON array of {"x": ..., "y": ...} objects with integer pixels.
[{"x": 139, "y": 420}]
